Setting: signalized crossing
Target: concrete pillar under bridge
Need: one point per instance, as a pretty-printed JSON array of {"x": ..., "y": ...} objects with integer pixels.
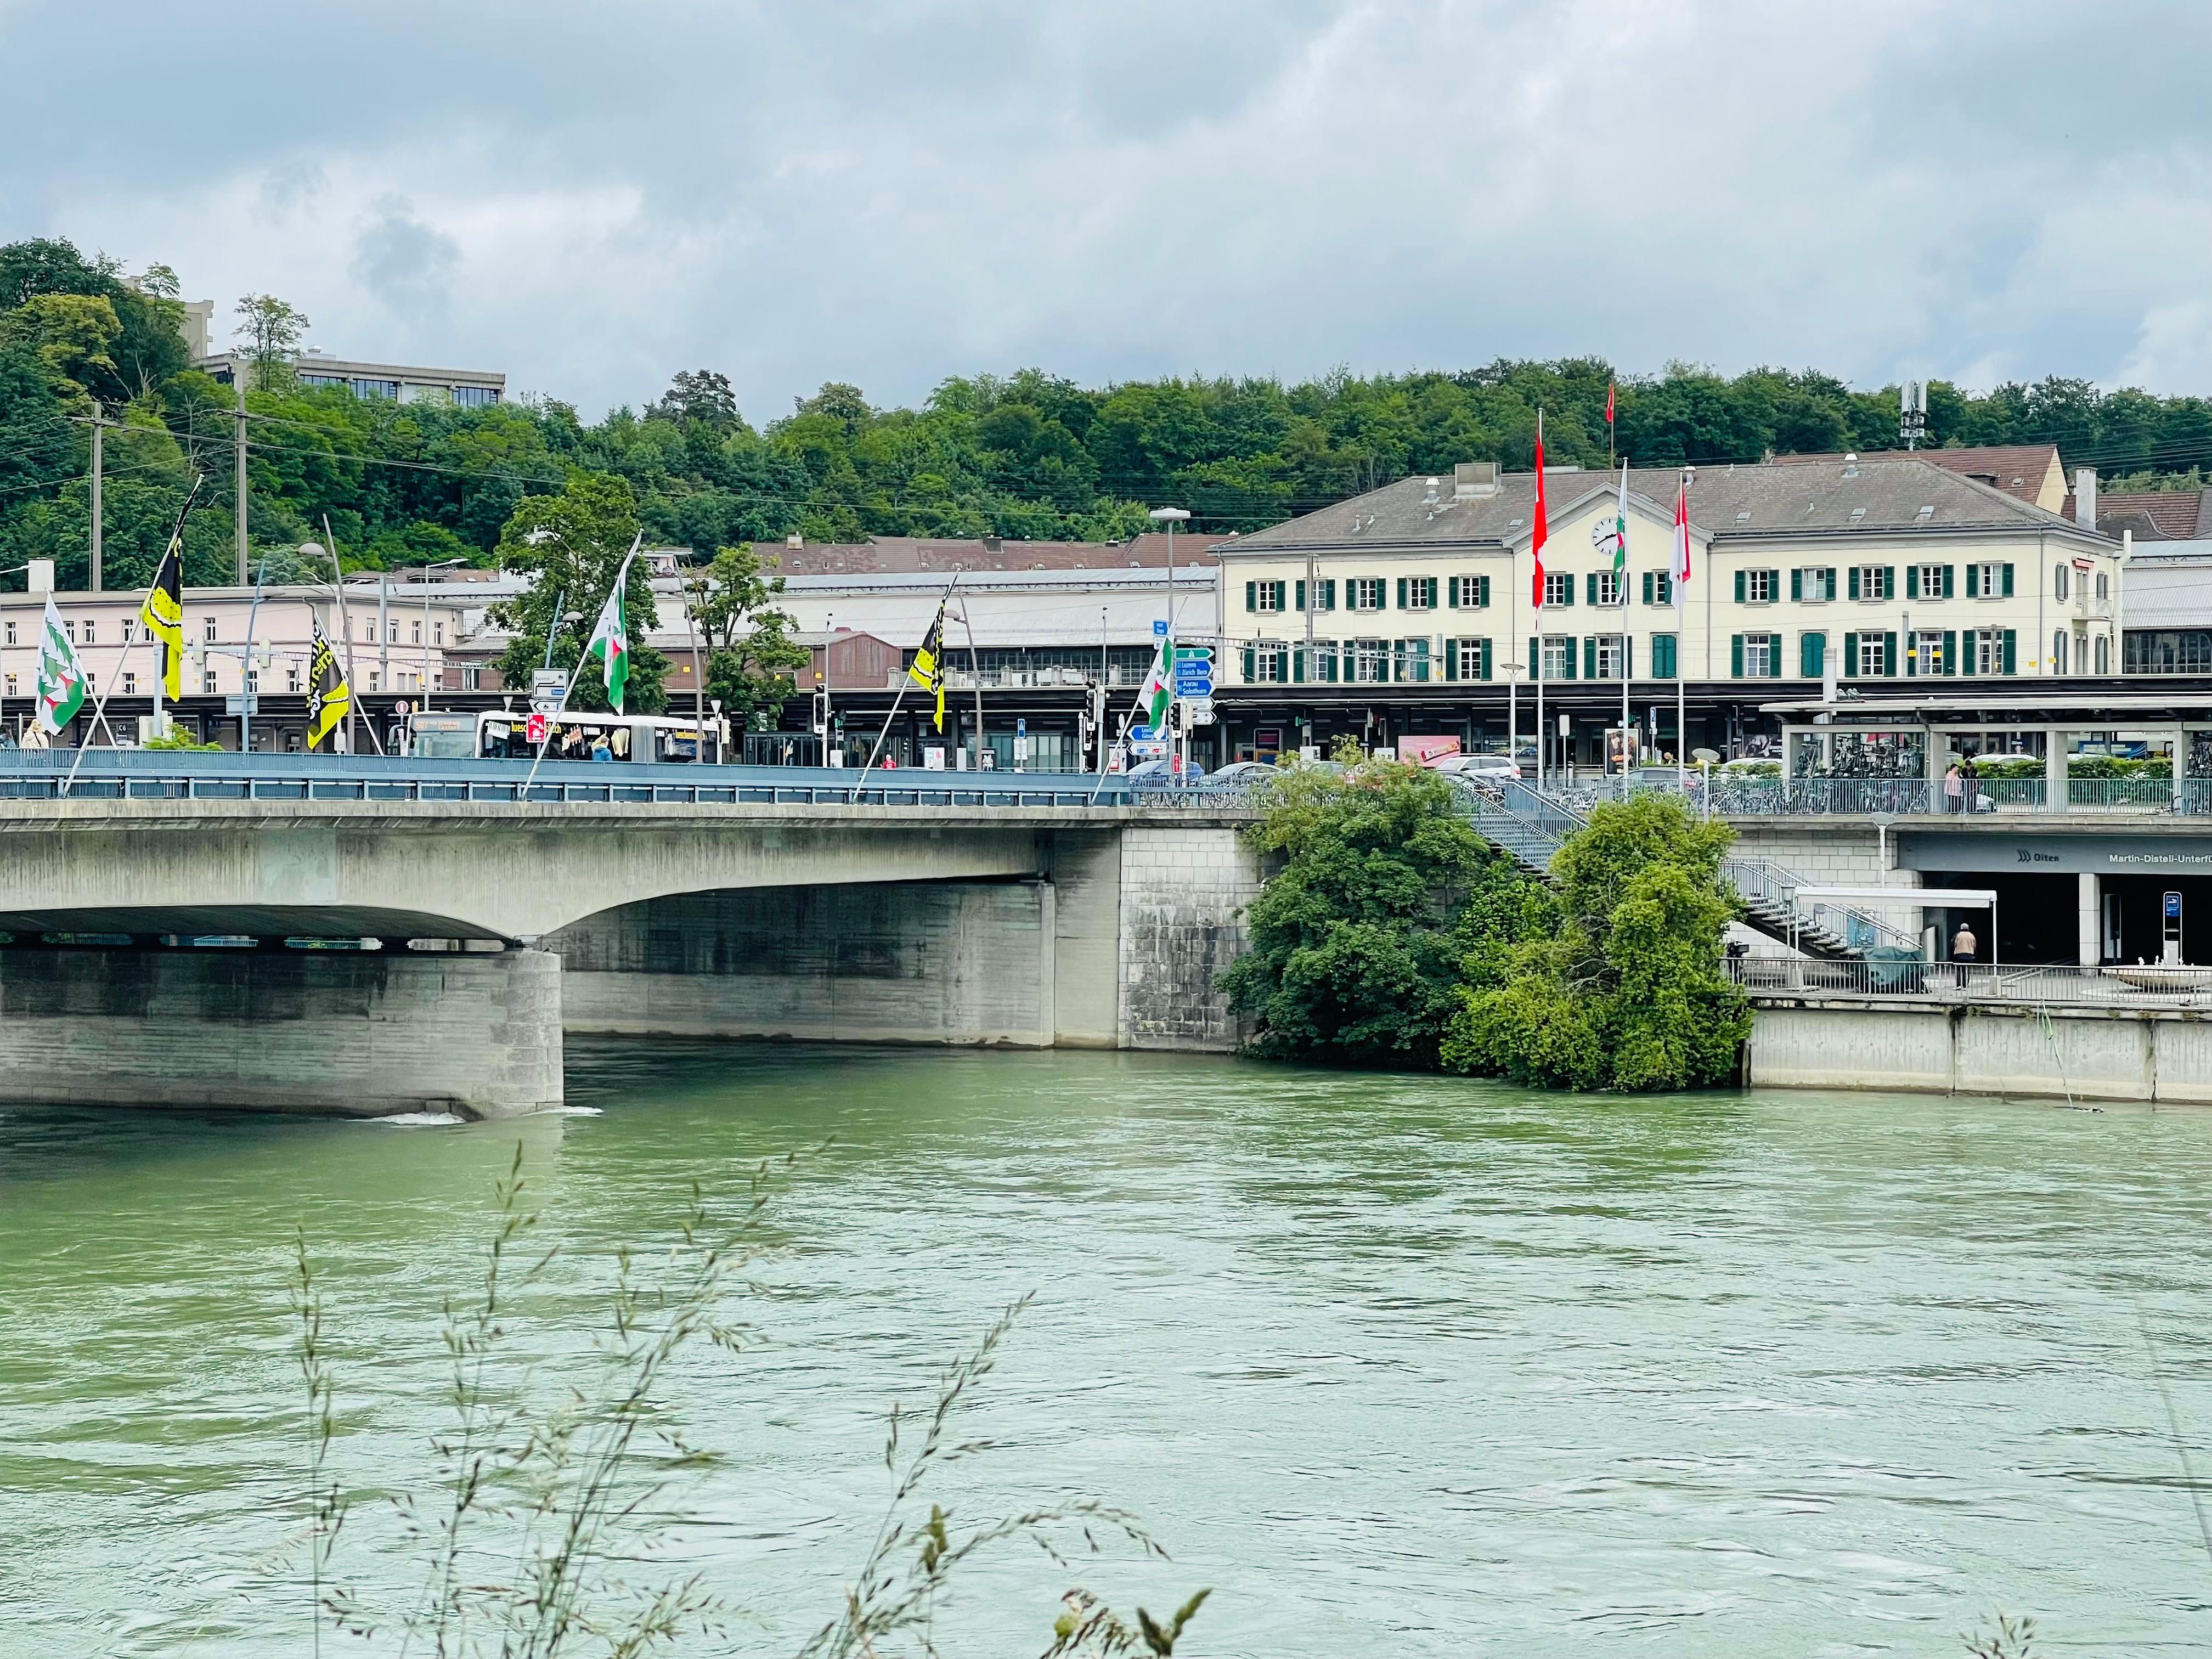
[
  {"x": 1113, "y": 937},
  {"x": 361, "y": 1033}
]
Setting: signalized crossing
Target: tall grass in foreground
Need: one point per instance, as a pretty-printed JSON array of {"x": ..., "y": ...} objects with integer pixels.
[{"x": 541, "y": 1526}]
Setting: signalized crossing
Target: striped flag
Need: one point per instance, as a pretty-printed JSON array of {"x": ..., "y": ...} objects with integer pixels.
[
  {"x": 1679, "y": 573},
  {"x": 1542, "y": 532}
]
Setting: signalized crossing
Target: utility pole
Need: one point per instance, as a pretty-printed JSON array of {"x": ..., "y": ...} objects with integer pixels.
[
  {"x": 238, "y": 379},
  {"x": 98, "y": 431}
]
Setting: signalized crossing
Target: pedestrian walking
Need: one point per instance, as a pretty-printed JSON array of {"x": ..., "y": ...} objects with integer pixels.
[
  {"x": 1963, "y": 949},
  {"x": 1954, "y": 789}
]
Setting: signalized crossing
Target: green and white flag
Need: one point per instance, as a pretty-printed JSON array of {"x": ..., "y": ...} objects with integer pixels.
[
  {"x": 609, "y": 641},
  {"x": 1620, "y": 535},
  {"x": 1159, "y": 691},
  {"x": 61, "y": 679}
]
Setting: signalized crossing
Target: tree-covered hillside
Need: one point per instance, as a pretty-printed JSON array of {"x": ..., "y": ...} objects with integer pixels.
[{"x": 1026, "y": 455}]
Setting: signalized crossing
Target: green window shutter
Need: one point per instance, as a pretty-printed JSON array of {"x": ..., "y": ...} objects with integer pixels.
[
  {"x": 1627, "y": 657},
  {"x": 2008, "y": 645},
  {"x": 1949, "y": 571},
  {"x": 1569, "y": 674},
  {"x": 1247, "y": 665},
  {"x": 1889, "y": 655},
  {"x": 1888, "y": 581},
  {"x": 1589, "y": 657},
  {"x": 1973, "y": 582},
  {"x": 1482, "y": 592},
  {"x": 1797, "y": 584},
  {"x": 1401, "y": 592},
  {"x": 1739, "y": 587},
  {"x": 1251, "y": 596},
  {"x": 1484, "y": 663},
  {"x": 1297, "y": 664},
  {"x": 1301, "y": 605},
  {"x": 1912, "y": 582},
  {"x": 1809, "y": 656},
  {"x": 1452, "y": 592},
  {"x": 1850, "y": 665},
  {"x": 1535, "y": 658},
  {"x": 1735, "y": 647},
  {"x": 1950, "y": 650},
  {"x": 1663, "y": 656},
  {"x": 2005, "y": 573},
  {"x": 1589, "y": 588},
  {"x": 1969, "y": 640},
  {"x": 1452, "y": 659},
  {"x": 1855, "y": 582},
  {"x": 1568, "y": 596},
  {"x": 1327, "y": 661},
  {"x": 1647, "y": 585}
]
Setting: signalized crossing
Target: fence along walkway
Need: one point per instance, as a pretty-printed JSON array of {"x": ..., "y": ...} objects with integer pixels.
[
  {"x": 2028, "y": 985},
  {"x": 1531, "y": 825}
]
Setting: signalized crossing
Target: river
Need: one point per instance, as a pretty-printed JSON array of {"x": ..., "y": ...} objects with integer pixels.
[{"x": 1400, "y": 1365}]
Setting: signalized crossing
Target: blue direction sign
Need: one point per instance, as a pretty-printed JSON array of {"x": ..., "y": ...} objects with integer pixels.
[
  {"x": 1193, "y": 679},
  {"x": 1159, "y": 628}
]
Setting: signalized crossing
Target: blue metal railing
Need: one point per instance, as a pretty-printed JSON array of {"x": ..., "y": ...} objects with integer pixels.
[{"x": 154, "y": 775}]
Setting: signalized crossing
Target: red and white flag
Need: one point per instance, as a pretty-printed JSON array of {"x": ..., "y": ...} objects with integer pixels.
[
  {"x": 1542, "y": 531},
  {"x": 1679, "y": 576},
  {"x": 1608, "y": 402}
]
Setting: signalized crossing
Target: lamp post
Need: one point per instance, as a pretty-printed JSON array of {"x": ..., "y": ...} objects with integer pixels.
[
  {"x": 1172, "y": 516},
  {"x": 442, "y": 564}
]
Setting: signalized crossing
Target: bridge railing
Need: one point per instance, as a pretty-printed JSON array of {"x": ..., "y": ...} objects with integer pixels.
[
  {"x": 2055, "y": 984},
  {"x": 129, "y": 776}
]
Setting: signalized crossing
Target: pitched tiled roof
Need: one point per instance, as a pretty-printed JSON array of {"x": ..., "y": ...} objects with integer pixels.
[
  {"x": 2017, "y": 469},
  {"x": 884, "y": 555},
  {"x": 1725, "y": 502},
  {"x": 2161, "y": 515}
]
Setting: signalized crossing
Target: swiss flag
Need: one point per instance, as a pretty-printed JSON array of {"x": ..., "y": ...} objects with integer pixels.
[
  {"x": 1608, "y": 402},
  {"x": 1542, "y": 531}
]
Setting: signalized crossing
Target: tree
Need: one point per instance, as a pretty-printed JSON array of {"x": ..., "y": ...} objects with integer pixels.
[
  {"x": 699, "y": 395},
  {"x": 271, "y": 332},
  {"x": 570, "y": 545},
  {"x": 50, "y": 266},
  {"x": 1625, "y": 990},
  {"x": 747, "y": 639},
  {"x": 71, "y": 334},
  {"x": 1352, "y": 957}
]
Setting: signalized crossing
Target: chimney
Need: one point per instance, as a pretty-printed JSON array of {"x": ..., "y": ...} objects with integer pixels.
[{"x": 2085, "y": 497}]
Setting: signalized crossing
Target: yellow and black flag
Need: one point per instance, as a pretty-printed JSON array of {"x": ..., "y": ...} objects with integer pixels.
[
  {"x": 330, "y": 699},
  {"x": 928, "y": 669},
  {"x": 163, "y": 613}
]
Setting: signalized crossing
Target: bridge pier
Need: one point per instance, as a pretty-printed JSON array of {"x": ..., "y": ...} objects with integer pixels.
[{"x": 361, "y": 1033}]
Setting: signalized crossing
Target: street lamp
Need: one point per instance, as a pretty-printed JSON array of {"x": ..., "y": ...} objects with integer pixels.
[
  {"x": 1172, "y": 516},
  {"x": 442, "y": 564}
]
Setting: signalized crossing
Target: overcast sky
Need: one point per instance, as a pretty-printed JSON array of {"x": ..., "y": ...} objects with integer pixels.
[{"x": 591, "y": 196}]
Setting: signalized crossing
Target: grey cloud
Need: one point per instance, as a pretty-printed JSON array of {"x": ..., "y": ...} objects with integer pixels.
[
  {"x": 890, "y": 192},
  {"x": 404, "y": 263}
]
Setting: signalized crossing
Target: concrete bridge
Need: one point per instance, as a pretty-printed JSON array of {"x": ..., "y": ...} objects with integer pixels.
[{"x": 370, "y": 955}]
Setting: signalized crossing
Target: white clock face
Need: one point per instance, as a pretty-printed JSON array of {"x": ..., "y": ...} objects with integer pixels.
[{"x": 1602, "y": 534}]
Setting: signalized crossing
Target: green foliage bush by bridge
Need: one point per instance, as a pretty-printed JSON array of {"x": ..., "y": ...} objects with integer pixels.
[
  {"x": 1392, "y": 934},
  {"x": 1627, "y": 991}
]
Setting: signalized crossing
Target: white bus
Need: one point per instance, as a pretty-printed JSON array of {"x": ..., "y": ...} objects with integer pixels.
[{"x": 504, "y": 734}]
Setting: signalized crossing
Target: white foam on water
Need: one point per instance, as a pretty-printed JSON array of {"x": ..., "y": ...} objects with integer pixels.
[
  {"x": 419, "y": 1120},
  {"x": 570, "y": 1111}
]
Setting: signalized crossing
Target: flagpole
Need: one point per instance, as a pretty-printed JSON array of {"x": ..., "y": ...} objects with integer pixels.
[
  {"x": 622, "y": 578},
  {"x": 1536, "y": 605},
  {"x": 353, "y": 708},
  {"x": 905, "y": 679},
  {"x": 99, "y": 715},
  {"x": 1626, "y": 665},
  {"x": 1681, "y": 656}
]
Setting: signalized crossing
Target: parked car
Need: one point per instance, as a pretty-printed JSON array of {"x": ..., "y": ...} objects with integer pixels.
[
  {"x": 1477, "y": 766},
  {"x": 1156, "y": 772},
  {"x": 1241, "y": 775}
]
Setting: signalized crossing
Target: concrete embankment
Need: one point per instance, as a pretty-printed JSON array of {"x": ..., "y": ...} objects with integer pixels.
[{"x": 2161, "y": 1056}]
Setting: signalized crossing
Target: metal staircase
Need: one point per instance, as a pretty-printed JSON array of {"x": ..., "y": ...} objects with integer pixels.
[{"x": 1530, "y": 826}]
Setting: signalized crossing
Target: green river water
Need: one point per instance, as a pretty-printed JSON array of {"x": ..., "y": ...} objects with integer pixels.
[{"x": 1401, "y": 1366}]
